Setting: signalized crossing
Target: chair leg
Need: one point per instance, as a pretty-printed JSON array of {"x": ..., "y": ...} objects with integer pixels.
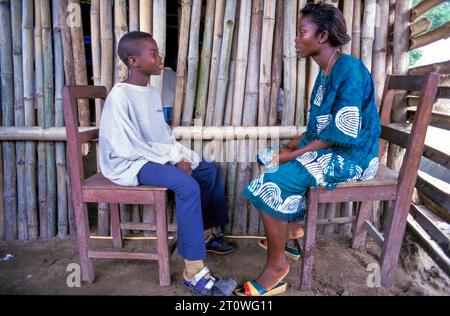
[
  {"x": 162, "y": 239},
  {"x": 83, "y": 233},
  {"x": 309, "y": 241},
  {"x": 360, "y": 233},
  {"x": 115, "y": 225},
  {"x": 396, "y": 226}
]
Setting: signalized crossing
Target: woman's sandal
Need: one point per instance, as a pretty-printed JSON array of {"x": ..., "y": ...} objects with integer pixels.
[
  {"x": 290, "y": 252},
  {"x": 212, "y": 286},
  {"x": 252, "y": 288}
]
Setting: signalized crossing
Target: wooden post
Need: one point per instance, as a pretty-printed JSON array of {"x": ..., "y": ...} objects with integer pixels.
[
  {"x": 215, "y": 59},
  {"x": 62, "y": 217},
  {"x": 205, "y": 62},
  {"x": 186, "y": 6},
  {"x": 266, "y": 61},
  {"x": 192, "y": 63},
  {"x": 356, "y": 29},
  {"x": 120, "y": 29},
  {"x": 9, "y": 165},
  {"x": 159, "y": 34},
  {"x": 290, "y": 62},
  {"x": 146, "y": 16},
  {"x": 28, "y": 96},
  {"x": 225, "y": 55},
  {"x": 133, "y": 15},
  {"x": 19, "y": 117}
]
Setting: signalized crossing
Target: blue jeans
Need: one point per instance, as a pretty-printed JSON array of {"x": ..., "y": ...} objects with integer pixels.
[{"x": 200, "y": 202}]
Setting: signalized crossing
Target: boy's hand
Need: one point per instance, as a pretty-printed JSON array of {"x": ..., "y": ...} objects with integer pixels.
[{"x": 185, "y": 166}]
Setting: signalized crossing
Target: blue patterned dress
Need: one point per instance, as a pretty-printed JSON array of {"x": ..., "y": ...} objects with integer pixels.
[{"x": 343, "y": 113}]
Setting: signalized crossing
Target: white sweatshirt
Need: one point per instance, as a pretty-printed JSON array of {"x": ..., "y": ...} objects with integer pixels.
[{"x": 133, "y": 132}]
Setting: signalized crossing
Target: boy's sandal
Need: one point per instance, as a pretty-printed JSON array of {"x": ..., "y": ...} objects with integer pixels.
[
  {"x": 212, "y": 286},
  {"x": 251, "y": 288},
  {"x": 290, "y": 252}
]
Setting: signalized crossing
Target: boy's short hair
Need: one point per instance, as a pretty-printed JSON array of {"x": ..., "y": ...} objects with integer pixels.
[{"x": 128, "y": 45}]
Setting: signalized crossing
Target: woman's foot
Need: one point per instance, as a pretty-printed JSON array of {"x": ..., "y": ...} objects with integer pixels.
[
  {"x": 272, "y": 275},
  {"x": 294, "y": 231}
]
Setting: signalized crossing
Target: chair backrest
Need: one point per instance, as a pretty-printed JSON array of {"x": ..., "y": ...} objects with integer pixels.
[
  {"x": 414, "y": 142},
  {"x": 75, "y": 136}
]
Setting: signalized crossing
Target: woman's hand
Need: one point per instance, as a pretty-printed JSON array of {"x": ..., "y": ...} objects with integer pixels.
[{"x": 185, "y": 166}]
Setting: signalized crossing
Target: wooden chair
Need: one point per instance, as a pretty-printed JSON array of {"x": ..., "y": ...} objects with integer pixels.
[
  {"x": 386, "y": 186},
  {"x": 98, "y": 189}
]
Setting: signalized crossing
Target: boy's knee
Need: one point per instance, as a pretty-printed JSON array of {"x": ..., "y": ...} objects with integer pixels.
[{"x": 190, "y": 189}]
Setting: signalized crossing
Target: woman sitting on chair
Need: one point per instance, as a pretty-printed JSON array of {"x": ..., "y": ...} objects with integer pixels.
[{"x": 339, "y": 145}]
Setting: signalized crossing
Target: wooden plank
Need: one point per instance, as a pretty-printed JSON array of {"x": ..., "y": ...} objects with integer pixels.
[
  {"x": 430, "y": 245},
  {"x": 437, "y": 34},
  {"x": 438, "y": 119},
  {"x": 336, "y": 220},
  {"x": 422, "y": 7},
  {"x": 122, "y": 255},
  {"x": 443, "y": 93},
  {"x": 436, "y": 189},
  {"x": 429, "y": 222},
  {"x": 436, "y": 208},
  {"x": 436, "y": 146},
  {"x": 413, "y": 83},
  {"x": 374, "y": 233},
  {"x": 442, "y": 68},
  {"x": 144, "y": 226}
]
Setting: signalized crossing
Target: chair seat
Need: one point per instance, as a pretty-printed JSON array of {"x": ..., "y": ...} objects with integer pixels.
[
  {"x": 381, "y": 187},
  {"x": 98, "y": 181},
  {"x": 385, "y": 176},
  {"x": 98, "y": 189}
]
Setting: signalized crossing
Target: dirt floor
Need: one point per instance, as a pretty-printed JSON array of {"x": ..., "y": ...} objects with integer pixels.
[{"x": 39, "y": 267}]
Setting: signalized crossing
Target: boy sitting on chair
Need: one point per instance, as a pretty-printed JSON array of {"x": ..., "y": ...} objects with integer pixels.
[{"x": 138, "y": 147}]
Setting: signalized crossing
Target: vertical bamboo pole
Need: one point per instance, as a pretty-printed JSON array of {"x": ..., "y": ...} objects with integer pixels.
[
  {"x": 205, "y": 62},
  {"x": 250, "y": 108},
  {"x": 192, "y": 63},
  {"x": 301, "y": 80},
  {"x": 120, "y": 28},
  {"x": 107, "y": 52},
  {"x": 28, "y": 96},
  {"x": 277, "y": 67},
  {"x": 379, "y": 49},
  {"x": 47, "y": 44},
  {"x": 290, "y": 62},
  {"x": 186, "y": 6},
  {"x": 356, "y": 30},
  {"x": 19, "y": 117},
  {"x": 243, "y": 167},
  {"x": 9, "y": 167},
  {"x": 69, "y": 76},
  {"x": 400, "y": 67},
  {"x": 225, "y": 55},
  {"x": 159, "y": 34},
  {"x": 266, "y": 61},
  {"x": 215, "y": 59},
  {"x": 133, "y": 15},
  {"x": 79, "y": 58},
  {"x": 368, "y": 34},
  {"x": 96, "y": 53},
  {"x": 63, "y": 228},
  {"x": 348, "y": 15},
  {"x": 146, "y": 16},
  {"x": 313, "y": 72},
  {"x": 42, "y": 166},
  {"x": 390, "y": 44}
]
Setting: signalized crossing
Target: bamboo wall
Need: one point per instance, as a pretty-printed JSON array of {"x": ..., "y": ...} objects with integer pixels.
[{"x": 233, "y": 78}]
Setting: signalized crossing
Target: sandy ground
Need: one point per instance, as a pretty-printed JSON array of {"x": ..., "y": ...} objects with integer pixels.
[{"x": 39, "y": 267}]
